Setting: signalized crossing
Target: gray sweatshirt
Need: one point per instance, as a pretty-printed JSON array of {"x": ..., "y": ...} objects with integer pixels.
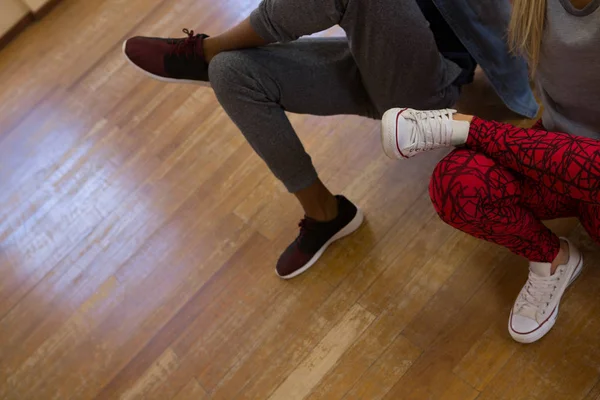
[{"x": 569, "y": 69}]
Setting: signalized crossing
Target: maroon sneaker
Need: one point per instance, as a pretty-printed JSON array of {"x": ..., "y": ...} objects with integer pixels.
[
  {"x": 169, "y": 60},
  {"x": 315, "y": 237}
]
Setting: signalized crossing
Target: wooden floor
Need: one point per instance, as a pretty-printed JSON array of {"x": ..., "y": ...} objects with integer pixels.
[{"x": 139, "y": 233}]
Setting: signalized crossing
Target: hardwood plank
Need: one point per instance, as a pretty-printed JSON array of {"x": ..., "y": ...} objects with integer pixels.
[
  {"x": 301, "y": 381},
  {"x": 594, "y": 394},
  {"x": 265, "y": 325},
  {"x": 415, "y": 293},
  {"x": 432, "y": 372},
  {"x": 192, "y": 391},
  {"x": 153, "y": 377},
  {"x": 487, "y": 356},
  {"x": 386, "y": 371},
  {"x": 444, "y": 307}
]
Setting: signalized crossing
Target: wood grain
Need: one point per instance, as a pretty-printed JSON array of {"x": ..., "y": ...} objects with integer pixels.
[{"x": 139, "y": 233}]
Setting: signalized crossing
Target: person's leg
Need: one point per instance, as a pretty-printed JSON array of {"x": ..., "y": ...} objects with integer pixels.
[
  {"x": 391, "y": 42},
  {"x": 564, "y": 163},
  {"x": 475, "y": 194},
  {"x": 256, "y": 87},
  {"x": 589, "y": 216},
  {"x": 380, "y": 45}
]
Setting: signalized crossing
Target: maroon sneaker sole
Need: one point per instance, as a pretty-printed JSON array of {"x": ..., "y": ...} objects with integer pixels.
[
  {"x": 161, "y": 78},
  {"x": 350, "y": 228}
]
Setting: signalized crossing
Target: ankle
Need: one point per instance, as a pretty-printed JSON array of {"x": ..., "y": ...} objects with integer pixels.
[
  {"x": 323, "y": 211},
  {"x": 211, "y": 48},
  {"x": 318, "y": 202},
  {"x": 562, "y": 258},
  {"x": 463, "y": 117},
  {"x": 461, "y": 125}
]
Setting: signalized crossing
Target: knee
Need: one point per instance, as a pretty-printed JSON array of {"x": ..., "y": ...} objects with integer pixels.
[
  {"x": 454, "y": 185},
  {"x": 239, "y": 76},
  {"x": 226, "y": 70}
]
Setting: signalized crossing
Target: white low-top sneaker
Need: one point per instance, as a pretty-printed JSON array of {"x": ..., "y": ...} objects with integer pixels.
[
  {"x": 406, "y": 132},
  {"x": 536, "y": 308}
]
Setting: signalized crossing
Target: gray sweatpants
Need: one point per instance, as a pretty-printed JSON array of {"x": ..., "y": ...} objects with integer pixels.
[{"x": 388, "y": 59}]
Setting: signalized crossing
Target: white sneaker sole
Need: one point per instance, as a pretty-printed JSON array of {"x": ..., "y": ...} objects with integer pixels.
[
  {"x": 389, "y": 133},
  {"x": 162, "y": 78},
  {"x": 345, "y": 231},
  {"x": 549, "y": 323}
]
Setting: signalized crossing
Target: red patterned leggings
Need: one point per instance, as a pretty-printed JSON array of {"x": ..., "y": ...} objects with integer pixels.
[{"x": 506, "y": 180}]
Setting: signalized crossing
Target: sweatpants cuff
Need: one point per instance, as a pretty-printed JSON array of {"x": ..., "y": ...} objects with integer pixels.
[{"x": 301, "y": 180}]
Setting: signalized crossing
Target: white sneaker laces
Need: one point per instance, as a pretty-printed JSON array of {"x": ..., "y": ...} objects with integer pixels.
[
  {"x": 537, "y": 294},
  {"x": 432, "y": 129}
]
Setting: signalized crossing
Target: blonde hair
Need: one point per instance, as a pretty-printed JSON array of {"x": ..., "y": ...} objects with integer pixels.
[{"x": 526, "y": 30}]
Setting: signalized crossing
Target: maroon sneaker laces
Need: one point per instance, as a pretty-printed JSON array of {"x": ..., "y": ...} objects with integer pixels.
[
  {"x": 312, "y": 235},
  {"x": 185, "y": 47},
  {"x": 304, "y": 226}
]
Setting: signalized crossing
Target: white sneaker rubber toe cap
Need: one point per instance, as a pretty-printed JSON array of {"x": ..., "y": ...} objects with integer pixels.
[{"x": 521, "y": 325}]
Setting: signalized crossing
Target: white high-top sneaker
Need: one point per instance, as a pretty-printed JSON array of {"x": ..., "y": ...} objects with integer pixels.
[
  {"x": 536, "y": 308},
  {"x": 406, "y": 132}
]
